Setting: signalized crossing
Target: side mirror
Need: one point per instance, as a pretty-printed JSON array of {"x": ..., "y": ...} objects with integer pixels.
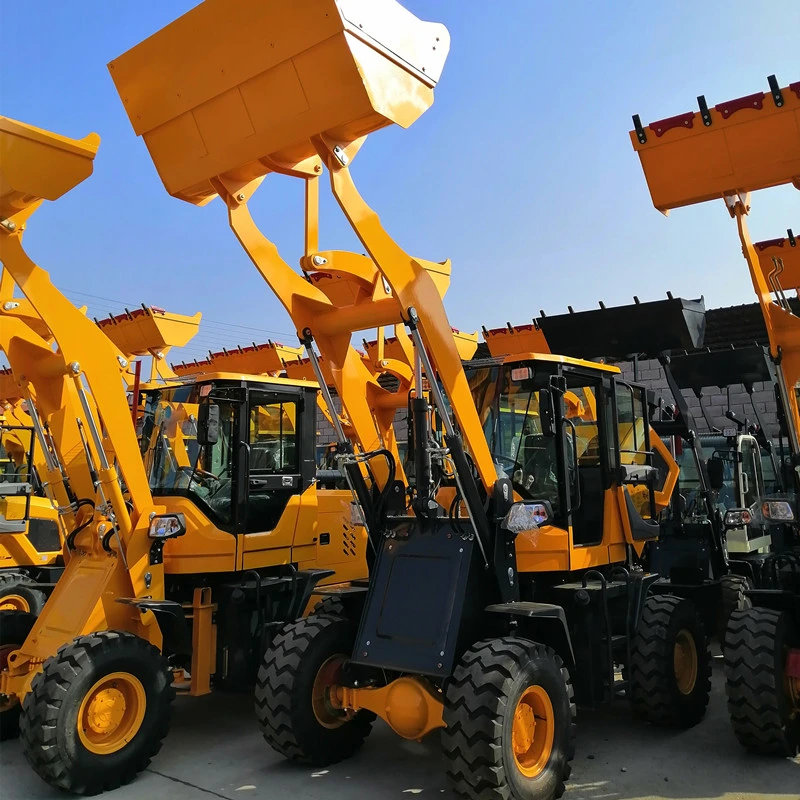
[
  {"x": 547, "y": 413},
  {"x": 167, "y": 526},
  {"x": 715, "y": 467},
  {"x": 207, "y": 424}
]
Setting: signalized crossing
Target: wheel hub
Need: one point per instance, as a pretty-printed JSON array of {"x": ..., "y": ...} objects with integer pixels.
[
  {"x": 792, "y": 672},
  {"x": 106, "y": 710},
  {"x": 533, "y": 731},
  {"x": 684, "y": 657},
  {"x": 14, "y": 602},
  {"x": 323, "y": 700},
  {"x": 111, "y": 713}
]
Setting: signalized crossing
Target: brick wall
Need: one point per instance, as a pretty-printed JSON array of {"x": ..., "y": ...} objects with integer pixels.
[
  {"x": 326, "y": 434},
  {"x": 651, "y": 374},
  {"x": 715, "y": 401}
]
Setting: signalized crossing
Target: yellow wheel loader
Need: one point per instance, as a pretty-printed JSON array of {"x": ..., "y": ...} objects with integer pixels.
[
  {"x": 187, "y": 547},
  {"x": 725, "y": 152},
  {"x": 496, "y": 599},
  {"x": 31, "y": 558},
  {"x": 30, "y": 539}
]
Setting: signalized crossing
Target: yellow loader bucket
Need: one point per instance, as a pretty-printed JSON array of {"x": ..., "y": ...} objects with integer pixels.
[
  {"x": 235, "y": 89},
  {"x": 258, "y": 359},
  {"x": 736, "y": 147},
  {"x": 515, "y": 339},
  {"x": 37, "y": 165},
  {"x": 466, "y": 344},
  {"x": 149, "y": 329}
]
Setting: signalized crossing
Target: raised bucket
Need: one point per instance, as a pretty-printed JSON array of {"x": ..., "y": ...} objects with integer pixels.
[
  {"x": 234, "y": 89},
  {"x": 37, "y": 165},
  {"x": 741, "y": 145}
]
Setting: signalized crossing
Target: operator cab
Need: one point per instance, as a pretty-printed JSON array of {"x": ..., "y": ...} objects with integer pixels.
[
  {"x": 746, "y": 475},
  {"x": 565, "y": 431},
  {"x": 238, "y": 449}
]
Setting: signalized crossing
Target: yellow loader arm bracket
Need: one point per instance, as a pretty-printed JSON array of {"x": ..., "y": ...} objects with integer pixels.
[{"x": 732, "y": 148}]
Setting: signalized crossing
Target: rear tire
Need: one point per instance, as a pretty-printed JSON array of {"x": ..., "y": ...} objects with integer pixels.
[
  {"x": 14, "y": 629},
  {"x": 491, "y": 752},
  {"x": 292, "y": 707},
  {"x": 97, "y": 712},
  {"x": 759, "y": 704},
  {"x": 18, "y": 592},
  {"x": 670, "y": 670}
]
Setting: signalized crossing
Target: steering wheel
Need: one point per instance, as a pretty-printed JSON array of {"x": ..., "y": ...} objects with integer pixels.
[
  {"x": 201, "y": 475},
  {"x": 512, "y": 462}
]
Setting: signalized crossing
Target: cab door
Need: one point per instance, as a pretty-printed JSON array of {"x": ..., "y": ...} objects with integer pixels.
[
  {"x": 749, "y": 472},
  {"x": 584, "y": 442},
  {"x": 272, "y": 455},
  {"x": 636, "y": 474}
]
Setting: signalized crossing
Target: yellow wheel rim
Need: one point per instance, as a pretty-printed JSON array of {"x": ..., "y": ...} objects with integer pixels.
[
  {"x": 533, "y": 731},
  {"x": 111, "y": 713},
  {"x": 14, "y": 602},
  {"x": 327, "y": 714},
  {"x": 684, "y": 656}
]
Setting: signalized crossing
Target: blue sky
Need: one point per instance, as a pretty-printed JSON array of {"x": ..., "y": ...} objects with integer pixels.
[{"x": 522, "y": 172}]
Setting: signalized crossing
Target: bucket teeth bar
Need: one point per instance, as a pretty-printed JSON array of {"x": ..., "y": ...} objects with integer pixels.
[{"x": 732, "y": 148}]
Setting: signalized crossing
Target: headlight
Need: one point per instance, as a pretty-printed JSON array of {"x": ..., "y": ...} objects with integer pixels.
[
  {"x": 738, "y": 518},
  {"x": 526, "y": 516},
  {"x": 777, "y": 511},
  {"x": 167, "y": 526}
]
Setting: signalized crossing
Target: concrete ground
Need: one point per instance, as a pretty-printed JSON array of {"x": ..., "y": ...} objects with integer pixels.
[{"x": 215, "y": 750}]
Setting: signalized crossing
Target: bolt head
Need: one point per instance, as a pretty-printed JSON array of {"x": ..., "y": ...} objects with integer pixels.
[
  {"x": 240, "y": 197},
  {"x": 75, "y": 367}
]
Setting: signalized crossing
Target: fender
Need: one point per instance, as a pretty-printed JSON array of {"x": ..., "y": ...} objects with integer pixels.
[
  {"x": 541, "y": 622},
  {"x": 171, "y": 620}
]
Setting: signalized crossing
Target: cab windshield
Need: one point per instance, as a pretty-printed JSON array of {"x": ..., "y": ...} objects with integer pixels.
[
  {"x": 174, "y": 462},
  {"x": 508, "y": 404}
]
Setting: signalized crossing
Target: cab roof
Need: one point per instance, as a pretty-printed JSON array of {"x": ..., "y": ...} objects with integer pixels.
[
  {"x": 207, "y": 377},
  {"x": 553, "y": 358}
]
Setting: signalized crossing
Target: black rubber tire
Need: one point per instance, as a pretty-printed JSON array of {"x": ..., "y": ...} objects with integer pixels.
[
  {"x": 733, "y": 599},
  {"x": 760, "y": 710},
  {"x": 284, "y": 690},
  {"x": 654, "y": 692},
  {"x": 20, "y": 584},
  {"x": 480, "y": 700},
  {"x": 49, "y": 722},
  {"x": 330, "y": 605},
  {"x": 14, "y": 629}
]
